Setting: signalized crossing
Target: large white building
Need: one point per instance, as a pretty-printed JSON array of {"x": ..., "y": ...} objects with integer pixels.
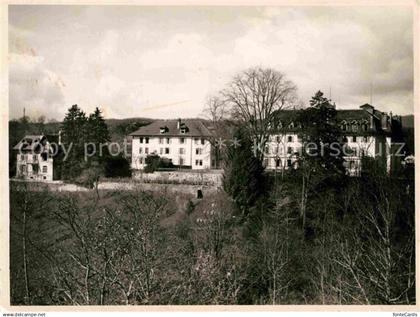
[
  {"x": 35, "y": 157},
  {"x": 366, "y": 132},
  {"x": 186, "y": 143}
]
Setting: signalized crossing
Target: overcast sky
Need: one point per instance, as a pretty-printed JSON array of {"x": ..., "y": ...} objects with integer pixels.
[{"x": 162, "y": 62}]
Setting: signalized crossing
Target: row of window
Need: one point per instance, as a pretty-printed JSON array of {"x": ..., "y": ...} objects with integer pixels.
[
  {"x": 198, "y": 151},
  {"x": 279, "y": 150},
  {"x": 291, "y": 150},
  {"x": 25, "y": 157},
  {"x": 289, "y": 163},
  {"x": 280, "y": 125},
  {"x": 146, "y": 140},
  {"x": 24, "y": 169},
  {"x": 354, "y": 127},
  {"x": 289, "y": 138},
  {"x": 146, "y": 150},
  {"x": 293, "y": 138},
  {"x": 197, "y": 141},
  {"x": 278, "y": 163},
  {"x": 354, "y": 138},
  {"x": 181, "y": 161}
]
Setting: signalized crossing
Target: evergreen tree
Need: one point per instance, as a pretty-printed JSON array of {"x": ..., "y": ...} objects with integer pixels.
[
  {"x": 321, "y": 163},
  {"x": 97, "y": 128},
  {"x": 73, "y": 126},
  {"x": 243, "y": 177},
  {"x": 322, "y": 136},
  {"x": 98, "y": 134},
  {"x": 73, "y": 139}
]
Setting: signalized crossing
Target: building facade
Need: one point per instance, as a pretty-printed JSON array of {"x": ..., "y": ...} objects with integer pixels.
[
  {"x": 35, "y": 157},
  {"x": 185, "y": 143},
  {"x": 365, "y": 132}
]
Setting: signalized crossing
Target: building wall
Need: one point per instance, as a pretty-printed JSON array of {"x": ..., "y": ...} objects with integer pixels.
[
  {"x": 195, "y": 153},
  {"x": 281, "y": 150},
  {"x": 26, "y": 167},
  {"x": 371, "y": 146}
]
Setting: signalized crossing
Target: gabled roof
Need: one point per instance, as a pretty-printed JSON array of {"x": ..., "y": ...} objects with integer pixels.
[
  {"x": 195, "y": 127},
  {"x": 31, "y": 143}
]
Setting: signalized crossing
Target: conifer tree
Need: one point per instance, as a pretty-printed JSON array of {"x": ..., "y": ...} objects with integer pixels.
[
  {"x": 97, "y": 133},
  {"x": 243, "y": 176},
  {"x": 73, "y": 139},
  {"x": 322, "y": 131},
  {"x": 98, "y": 129},
  {"x": 321, "y": 162}
]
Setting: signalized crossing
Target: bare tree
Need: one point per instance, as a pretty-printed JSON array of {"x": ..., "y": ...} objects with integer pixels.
[
  {"x": 217, "y": 259},
  {"x": 253, "y": 97},
  {"x": 376, "y": 258},
  {"x": 273, "y": 244},
  {"x": 109, "y": 258},
  {"x": 30, "y": 204},
  {"x": 216, "y": 111}
]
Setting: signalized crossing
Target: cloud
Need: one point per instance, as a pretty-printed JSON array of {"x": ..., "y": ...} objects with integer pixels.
[
  {"x": 132, "y": 84},
  {"x": 33, "y": 87},
  {"x": 346, "y": 53},
  {"x": 155, "y": 62}
]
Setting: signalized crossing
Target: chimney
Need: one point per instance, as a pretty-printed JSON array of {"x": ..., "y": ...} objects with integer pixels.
[
  {"x": 59, "y": 137},
  {"x": 178, "y": 125},
  {"x": 384, "y": 120}
]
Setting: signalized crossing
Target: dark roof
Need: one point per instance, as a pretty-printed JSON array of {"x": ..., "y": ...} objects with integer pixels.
[
  {"x": 349, "y": 115},
  {"x": 354, "y": 114},
  {"x": 287, "y": 115},
  {"x": 195, "y": 127},
  {"x": 342, "y": 114},
  {"x": 30, "y": 142}
]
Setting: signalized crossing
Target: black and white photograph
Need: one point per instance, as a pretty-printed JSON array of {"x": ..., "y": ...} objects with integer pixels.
[{"x": 199, "y": 155}]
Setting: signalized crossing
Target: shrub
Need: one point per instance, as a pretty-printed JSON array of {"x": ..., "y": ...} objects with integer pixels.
[
  {"x": 154, "y": 162},
  {"x": 117, "y": 166},
  {"x": 89, "y": 177},
  {"x": 190, "y": 207}
]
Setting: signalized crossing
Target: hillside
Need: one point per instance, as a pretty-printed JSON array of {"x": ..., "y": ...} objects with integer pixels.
[{"x": 118, "y": 128}]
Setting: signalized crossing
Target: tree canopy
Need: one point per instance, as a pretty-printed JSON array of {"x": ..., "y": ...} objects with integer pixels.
[{"x": 254, "y": 96}]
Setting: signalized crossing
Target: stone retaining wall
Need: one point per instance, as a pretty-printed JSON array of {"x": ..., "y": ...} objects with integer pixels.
[
  {"x": 59, "y": 186},
  {"x": 213, "y": 178}
]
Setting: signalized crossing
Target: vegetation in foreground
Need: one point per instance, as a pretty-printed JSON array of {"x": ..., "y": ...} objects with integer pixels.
[{"x": 356, "y": 246}]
